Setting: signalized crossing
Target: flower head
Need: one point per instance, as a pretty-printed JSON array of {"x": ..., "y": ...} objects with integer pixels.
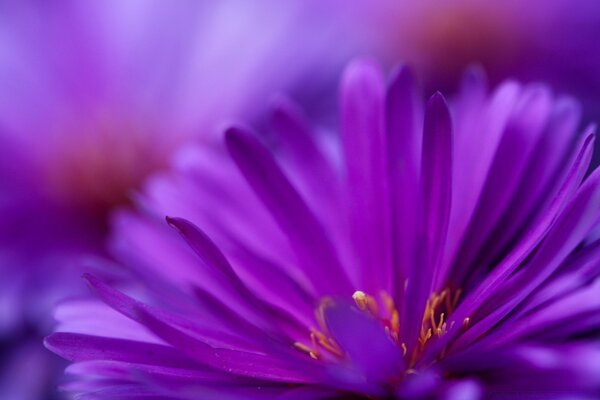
[
  {"x": 428, "y": 251},
  {"x": 545, "y": 40}
]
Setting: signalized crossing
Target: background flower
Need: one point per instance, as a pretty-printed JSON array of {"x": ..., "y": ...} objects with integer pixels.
[
  {"x": 95, "y": 96},
  {"x": 436, "y": 253},
  {"x": 552, "y": 41}
]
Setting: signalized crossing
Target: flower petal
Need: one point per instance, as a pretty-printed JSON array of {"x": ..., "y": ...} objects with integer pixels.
[
  {"x": 364, "y": 149},
  {"x": 404, "y": 141},
  {"x": 433, "y": 213},
  {"x": 77, "y": 347},
  {"x": 569, "y": 231},
  {"x": 539, "y": 182},
  {"x": 478, "y": 135},
  {"x": 212, "y": 256},
  {"x": 518, "y": 141},
  {"x": 297, "y": 149},
  {"x": 192, "y": 340},
  {"x": 531, "y": 239},
  {"x": 314, "y": 250},
  {"x": 368, "y": 348}
]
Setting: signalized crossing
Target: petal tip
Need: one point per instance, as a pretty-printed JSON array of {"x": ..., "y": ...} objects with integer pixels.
[
  {"x": 237, "y": 139},
  {"x": 403, "y": 73},
  {"x": 362, "y": 65},
  {"x": 437, "y": 99},
  {"x": 362, "y": 75},
  {"x": 48, "y": 342},
  {"x": 437, "y": 109},
  {"x": 173, "y": 222}
]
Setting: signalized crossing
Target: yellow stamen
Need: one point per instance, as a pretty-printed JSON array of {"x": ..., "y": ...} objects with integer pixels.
[
  {"x": 366, "y": 302},
  {"x": 320, "y": 312},
  {"x": 327, "y": 343},
  {"x": 434, "y": 323},
  {"x": 387, "y": 301},
  {"x": 395, "y": 322},
  {"x": 438, "y": 306},
  {"x": 305, "y": 349},
  {"x": 360, "y": 298},
  {"x": 313, "y": 339}
]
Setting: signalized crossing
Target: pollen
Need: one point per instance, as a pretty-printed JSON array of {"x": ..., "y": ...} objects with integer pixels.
[
  {"x": 305, "y": 349},
  {"x": 321, "y": 344},
  {"x": 387, "y": 314},
  {"x": 438, "y": 307},
  {"x": 366, "y": 303},
  {"x": 383, "y": 308}
]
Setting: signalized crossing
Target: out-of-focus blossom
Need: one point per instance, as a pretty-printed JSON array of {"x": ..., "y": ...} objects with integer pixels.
[
  {"x": 550, "y": 40},
  {"x": 426, "y": 252},
  {"x": 95, "y": 96}
]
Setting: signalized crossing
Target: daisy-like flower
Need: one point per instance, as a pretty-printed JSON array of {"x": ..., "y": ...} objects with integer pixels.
[
  {"x": 428, "y": 251},
  {"x": 550, "y": 40}
]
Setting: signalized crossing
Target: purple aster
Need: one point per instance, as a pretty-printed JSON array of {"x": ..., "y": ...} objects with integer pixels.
[
  {"x": 96, "y": 97},
  {"x": 550, "y": 40},
  {"x": 428, "y": 251}
]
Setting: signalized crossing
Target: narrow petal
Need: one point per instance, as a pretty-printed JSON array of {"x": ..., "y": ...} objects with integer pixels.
[
  {"x": 214, "y": 258},
  {"x": 135, "y": 310},
  {"x": 578, "y": 271},
  {"x": 569, "y": 231},
  {"x": 539, "y": 183},
  {"x": 434, "y": 214},
  {"x": 512, "y": 155},
  {"x": 314, "y": 250},
  {"x": 297, "y": 148},
  {"x": 369, "y": 349},
  {"x": 561, "y": 319},
  {"x": 476, "y": 145},
  {"x": 536, "y": 233},
  {"x": 207, "y": 250},
  {"x": 115, "y": 369},
  {"x": 78, "y": 347},
  {"x": 404, "y": 141},
  {"x": 193, "y": 340},
  {"x": 364, "y": 148}
]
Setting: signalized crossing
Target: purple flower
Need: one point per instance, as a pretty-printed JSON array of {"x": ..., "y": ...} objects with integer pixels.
[
  {"x": 428, "y": 251},
  {"x": 95, "y": 97},
  {"x": 550, "y": 40}
]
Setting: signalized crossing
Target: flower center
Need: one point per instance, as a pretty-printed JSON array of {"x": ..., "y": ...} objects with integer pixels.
[
  {"x": 95, "y": 165},
  {"x": 457, "y": 36},
  {"x": 383, "y": 308}
]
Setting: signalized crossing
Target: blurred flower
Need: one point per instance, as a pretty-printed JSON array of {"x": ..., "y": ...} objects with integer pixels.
[
  {"x": 436, "y": 253},
  {"x": 95, "y": 96},
  {"x": 554, "y": 40}
]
